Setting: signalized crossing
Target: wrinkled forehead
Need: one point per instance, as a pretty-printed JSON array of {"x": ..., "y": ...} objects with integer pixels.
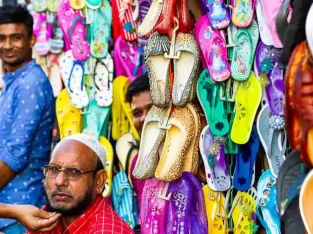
[{"x": 71, "y": 153}]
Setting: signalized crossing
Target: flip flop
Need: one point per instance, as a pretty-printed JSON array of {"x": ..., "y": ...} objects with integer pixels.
[
  {"x": 94, "y": 4},
  {"x": 264, "y": 30},
  {"x": 72, "y": 73},
  {"x": 213, "y": 106},
  {"x": 215, "y": 210},
  {"x": 289, "y": 181},
  {"x": 270, "y": 10},
  {"x": 191, "y": 163},
  {"x": 120, "y": 124},
  {"x": 152, "y": 136},
  {"x": 95, "y": 117},
  {"x": 243, "y": 212},
  {"x": 179, "y": 135},
  {"x": 158, "y": 68},
  {"x": 245, "y": 163},
  {"x": 213, "y": 157},
  {"x": 39, "y": 5},
  {"x": 42, "y": 32},
  {"x": 306, "y": 202},
  {"x": 56, "y": 40},
  {"x": 129, "y": 59},
  {"x": 109, "y": 156},
  {"x": 69, "y": 118},
  {"x": 218, "y": 14},
  {"x": 308, "y": 29},
  {"x": 267, "y": 203},
  {"x": 273, "y": 138},
  {"x": 101, "y": 31},
  {"x": 126, "y": 21},
  {"x": 78, "y": 5},
  {"x": 245, "y": 44},
  {"x": 103, "y": 79},
  {"x": 150, "y": 20},
  {"x": 243, "y": 12},
  {"x": 74, "y": 32},
  {"x": 267, "y": 65},
  {"x": 216, "y": 58},
  {"x": 248, "y": 99},
  {"x": 52, "y": 5},
  {"x": 153, "y": 207},
  {"x": 202, "y": 35},
  {"x": 186, "y": 69}
]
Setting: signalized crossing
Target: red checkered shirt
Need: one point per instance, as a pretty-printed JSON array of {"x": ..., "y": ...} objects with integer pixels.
[{"x": 98, "y": 218}]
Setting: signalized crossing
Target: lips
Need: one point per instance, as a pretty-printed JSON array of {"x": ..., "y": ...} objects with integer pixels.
[{"x": 61, "y": 196}]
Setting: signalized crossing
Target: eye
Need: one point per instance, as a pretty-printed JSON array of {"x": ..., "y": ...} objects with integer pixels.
[
  {"x": 17, "y": 38},
  {"x": 74, "y": 171}
]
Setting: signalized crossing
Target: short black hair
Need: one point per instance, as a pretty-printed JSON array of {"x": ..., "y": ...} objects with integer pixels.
[
  {"x": 137, "y": 86},
  {"x": 17, "y": 14}
]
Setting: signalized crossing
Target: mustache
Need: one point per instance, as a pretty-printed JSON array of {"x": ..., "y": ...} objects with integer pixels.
[{"x": 60, "y": 190}]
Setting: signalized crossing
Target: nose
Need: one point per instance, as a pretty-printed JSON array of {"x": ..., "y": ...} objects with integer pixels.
[
  {"x": 61, "y": 179},
  {"x": 8, "y": 44}
]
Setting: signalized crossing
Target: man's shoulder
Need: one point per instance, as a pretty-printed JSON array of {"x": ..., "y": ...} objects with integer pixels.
[{"x": 35, "y": 75}]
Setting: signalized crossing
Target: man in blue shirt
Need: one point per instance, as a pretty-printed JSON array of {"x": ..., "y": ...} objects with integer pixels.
[{"x": 26, "y": 115}]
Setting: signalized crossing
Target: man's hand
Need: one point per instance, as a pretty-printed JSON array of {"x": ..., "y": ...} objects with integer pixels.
[{"x": 35, "y": 219}]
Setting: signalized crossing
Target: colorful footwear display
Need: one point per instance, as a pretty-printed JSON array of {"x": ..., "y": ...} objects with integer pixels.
[{"x": 223, "y": 143}]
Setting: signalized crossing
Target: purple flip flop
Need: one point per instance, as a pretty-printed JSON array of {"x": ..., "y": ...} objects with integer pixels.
[{"x": 267, "y": 66}]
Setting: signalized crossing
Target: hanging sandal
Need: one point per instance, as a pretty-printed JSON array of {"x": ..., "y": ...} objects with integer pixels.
[
  {"x": 208, "y": 95},
  {"x": 243, "y": 177},
  {"x": 248, "y": 99},
  {"x": 215, "y": 209},
  {"x": 267, "y": 203},
  {"x": 152, "y": 136},
  {"x": 69, "y": 118},
  {"x": 179, "y": 135}
]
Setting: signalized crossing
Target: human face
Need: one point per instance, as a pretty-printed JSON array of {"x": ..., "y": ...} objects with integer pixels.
[
  {"x": 73, "y": 197},
  {"x": 15, "y": 45},
  {"x": 140, "y": 105}
]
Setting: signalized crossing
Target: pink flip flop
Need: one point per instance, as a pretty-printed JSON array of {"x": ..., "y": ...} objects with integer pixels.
[
  {"x": 216, "y": 58},
  {"x": 42, "y": 31},
  {"x": 74, "y": 30},
  {"x": 202, "y": 35},
  {"x": 270, "y": 10},
  {"x": 243, "y": 12},
  {"x": 128, "y": 59}
]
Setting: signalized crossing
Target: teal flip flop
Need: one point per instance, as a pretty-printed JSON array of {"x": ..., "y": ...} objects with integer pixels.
[
  {"x": 246, "y": 40},
  {"x": 96, "y": 118},
  {"x": 208, "y": 95},
  {"x": 100, "y": 29}
]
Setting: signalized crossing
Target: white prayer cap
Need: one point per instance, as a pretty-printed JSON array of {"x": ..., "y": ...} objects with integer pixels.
[{"x": 91, "y": 142}]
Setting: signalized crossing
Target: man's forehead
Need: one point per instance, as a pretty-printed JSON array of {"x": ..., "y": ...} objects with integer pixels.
[
  {"x": 141, "y": 100},
  {"x": 10, "y": 29},
  {"x": 71, "y": 150}
]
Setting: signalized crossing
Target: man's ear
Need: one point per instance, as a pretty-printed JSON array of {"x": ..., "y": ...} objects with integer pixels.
[
  {"x": 101, "y": 180},
  {"x": 32, "y": 41}
]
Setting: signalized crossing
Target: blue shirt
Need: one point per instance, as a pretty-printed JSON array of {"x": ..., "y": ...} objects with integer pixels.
[{"x": 27, "y": 112}]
